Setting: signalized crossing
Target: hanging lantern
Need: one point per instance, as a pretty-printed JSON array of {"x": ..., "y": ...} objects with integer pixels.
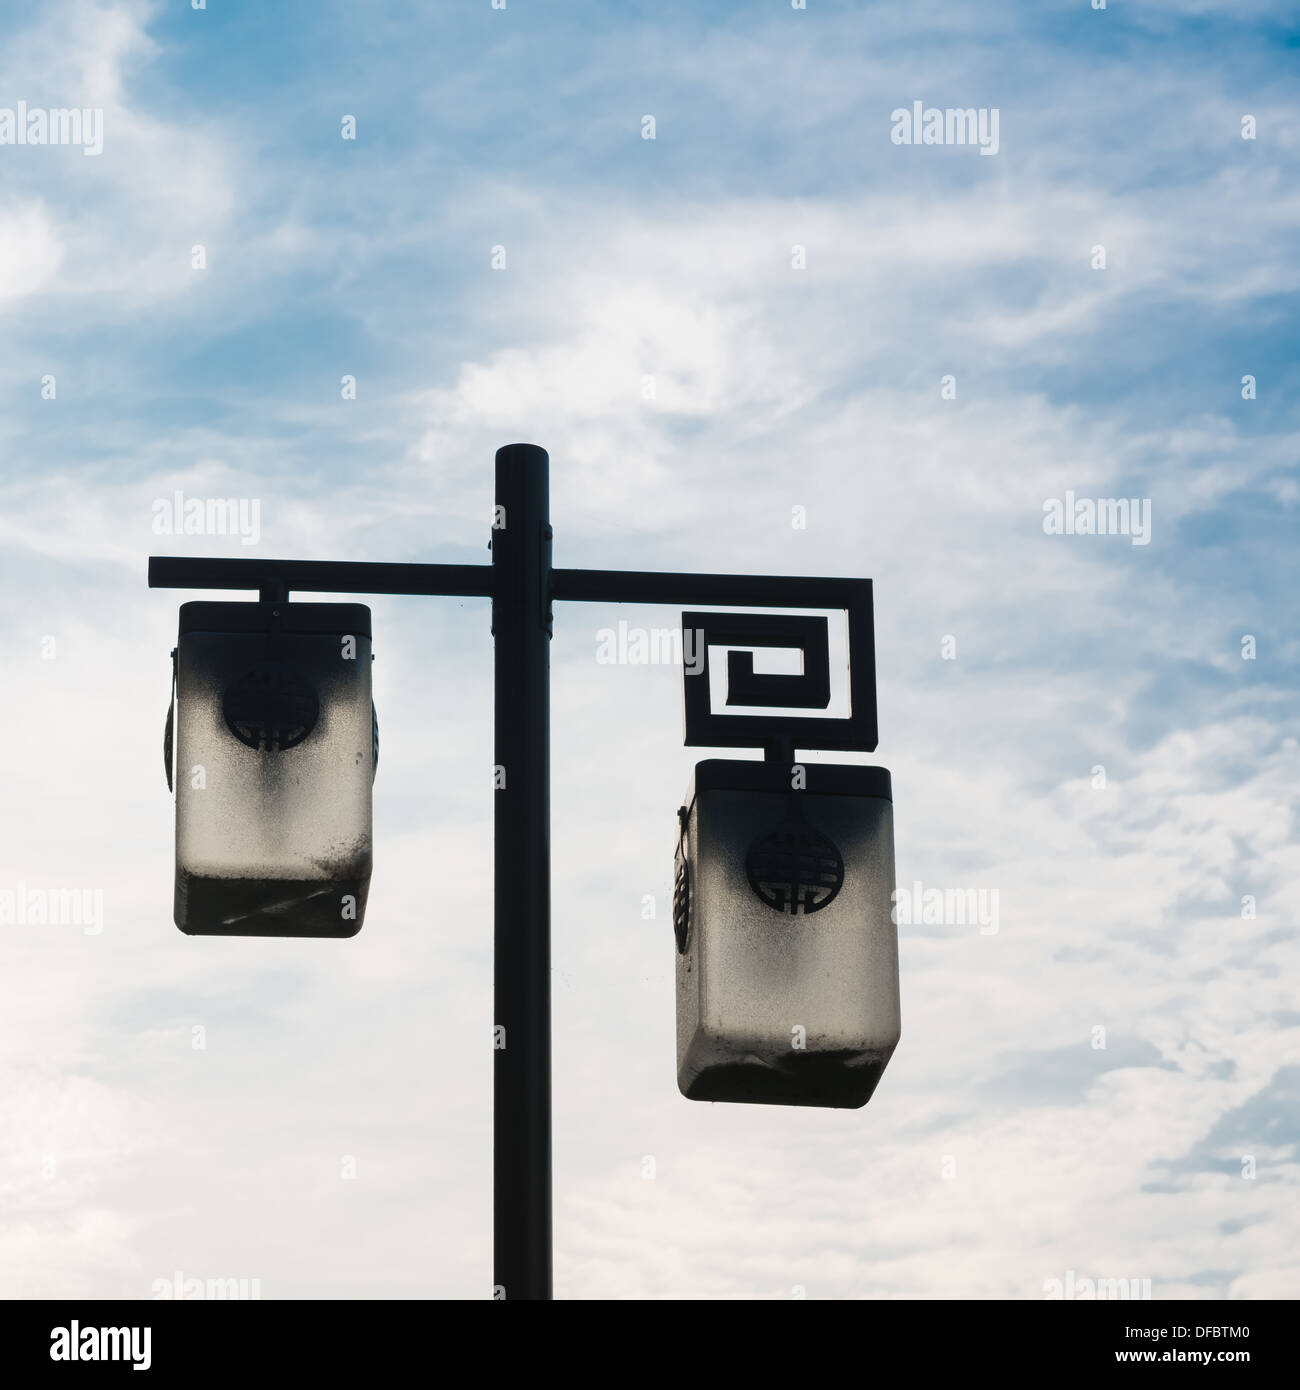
[
  {"x": 275, "y": 748},
  {"x": 787, "y": 951}
]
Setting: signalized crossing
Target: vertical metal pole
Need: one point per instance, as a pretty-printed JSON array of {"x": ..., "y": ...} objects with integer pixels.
[{"x": 521, "y": 623}]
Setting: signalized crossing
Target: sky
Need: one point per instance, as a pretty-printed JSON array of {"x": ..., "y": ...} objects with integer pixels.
[{"x": 771, "y": 305}]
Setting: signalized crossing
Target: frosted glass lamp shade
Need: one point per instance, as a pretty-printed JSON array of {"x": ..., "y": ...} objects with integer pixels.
[
  {"x": 787, "y": 952},
  {"x": 275, "y": 749}
]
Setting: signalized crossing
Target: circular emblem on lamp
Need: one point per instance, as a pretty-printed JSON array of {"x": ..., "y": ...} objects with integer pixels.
[
  {"x": 271, "y": 707},
  {"x": 795, "y": 869}
]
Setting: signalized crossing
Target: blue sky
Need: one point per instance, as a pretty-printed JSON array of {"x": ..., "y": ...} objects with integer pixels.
[{"x": 773, "y": 388}]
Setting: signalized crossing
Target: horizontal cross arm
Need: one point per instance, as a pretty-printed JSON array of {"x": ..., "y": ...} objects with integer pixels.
[
  {"x": 690, "y": 590},
  {"x": 319, "y": 576}
]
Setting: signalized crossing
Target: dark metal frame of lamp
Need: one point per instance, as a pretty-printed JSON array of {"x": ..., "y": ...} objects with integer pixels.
[{"x": 523, "y": 584}]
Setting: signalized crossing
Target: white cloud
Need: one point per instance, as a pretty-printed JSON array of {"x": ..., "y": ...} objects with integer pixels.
[{"x": 30, "y": 250}]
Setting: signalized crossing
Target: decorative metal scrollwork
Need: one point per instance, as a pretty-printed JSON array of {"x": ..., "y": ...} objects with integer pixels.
[{"x": 811, "y": 689}]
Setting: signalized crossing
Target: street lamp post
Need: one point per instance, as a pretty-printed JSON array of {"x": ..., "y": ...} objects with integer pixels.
[
  {"x": 521, "y": 1088},
  {"x": 522, "y": 584}
]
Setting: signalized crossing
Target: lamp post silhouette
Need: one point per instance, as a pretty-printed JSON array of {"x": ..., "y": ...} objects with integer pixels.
[{"x": 787, "y": 975}]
